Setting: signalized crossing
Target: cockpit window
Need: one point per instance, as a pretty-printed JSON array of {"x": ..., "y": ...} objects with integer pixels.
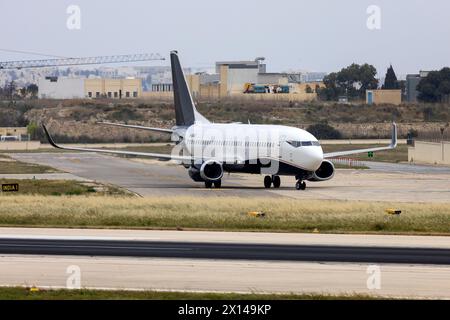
[{"x": 297, "y": 144}]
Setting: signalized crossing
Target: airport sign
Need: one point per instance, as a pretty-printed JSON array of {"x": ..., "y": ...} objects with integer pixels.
[{"x": 10, "y": 187}]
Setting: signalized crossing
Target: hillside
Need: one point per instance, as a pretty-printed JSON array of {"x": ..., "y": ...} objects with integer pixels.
[{"x": 75, "y": 120}]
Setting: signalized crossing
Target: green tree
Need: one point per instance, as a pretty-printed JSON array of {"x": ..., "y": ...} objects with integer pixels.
[
  {"x": 435, "y": 87},
  {"x": 390, "y": 82},
  {"x": 352, "y": 81}
]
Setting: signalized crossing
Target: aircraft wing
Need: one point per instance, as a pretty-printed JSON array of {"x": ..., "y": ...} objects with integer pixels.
[
  {"x": 393, "y": 145},
  {"x": 136, "y": 127},
  {"x": 130, "y": 153}
]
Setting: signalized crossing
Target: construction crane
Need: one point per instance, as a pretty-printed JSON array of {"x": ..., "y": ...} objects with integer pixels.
[{"x": 79, "y": 61}]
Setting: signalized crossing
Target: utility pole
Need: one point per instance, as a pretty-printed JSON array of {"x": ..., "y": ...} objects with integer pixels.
[
  {"x": 442, "y": 142},
  {"x": 11, "y": 93}
]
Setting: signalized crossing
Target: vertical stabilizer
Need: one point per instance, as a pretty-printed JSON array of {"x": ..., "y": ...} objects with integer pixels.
[{"x": 185, "y": 111}]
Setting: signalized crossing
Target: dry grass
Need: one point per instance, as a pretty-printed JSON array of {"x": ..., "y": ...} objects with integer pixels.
[
  {"x": 84, "y": 294},
  {"x": 399, "y": 154},
  {"x": 61, "y": 187},
  {"x": 11, "y": 166},
  {"x": 282, "y": 215}
]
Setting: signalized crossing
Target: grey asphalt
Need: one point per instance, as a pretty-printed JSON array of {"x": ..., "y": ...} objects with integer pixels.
[
  {"x": 151, "y": 178},
  {"x": 383, "y": 182},
  {"x": 230, "y": 251},
  {"x": 406, "y": 168}
]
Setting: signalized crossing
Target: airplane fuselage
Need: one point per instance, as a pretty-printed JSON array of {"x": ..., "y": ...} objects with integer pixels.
[{"x": 250, "y": 148}]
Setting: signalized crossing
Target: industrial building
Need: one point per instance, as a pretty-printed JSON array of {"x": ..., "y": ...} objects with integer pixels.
[
  {"x": 412, "y": 81},
  {"x": 384, "y": 97},
  {"x": 235, "y": 74},
  {"x": 113, "y": 88},
  {"x": 162, "y": 81},
  {"x": 79, "y": 88},
  {"x": 246, "y": 79},
  {"x": 249, "y": 80}
]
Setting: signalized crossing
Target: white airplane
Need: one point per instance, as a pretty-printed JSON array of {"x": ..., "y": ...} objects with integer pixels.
[{"x": 208, "y": 150}]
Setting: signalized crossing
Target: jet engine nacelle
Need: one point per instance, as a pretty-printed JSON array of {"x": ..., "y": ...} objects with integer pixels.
[
  {"x": 211, "y": 170},
  {"x": 324, "y": 173}
]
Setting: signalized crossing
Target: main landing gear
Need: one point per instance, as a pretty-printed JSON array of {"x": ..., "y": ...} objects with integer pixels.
[
  {"x": 272, "y": 180},
  {"x": 217, "y": 184},
  {"x": 300, "y": 185}
]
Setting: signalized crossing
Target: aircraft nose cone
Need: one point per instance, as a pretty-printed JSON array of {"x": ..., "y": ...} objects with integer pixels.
[{"x": 315, "y": 158}]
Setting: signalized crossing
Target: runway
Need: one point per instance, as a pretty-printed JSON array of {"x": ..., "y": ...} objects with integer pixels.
[
  {"x": 385, "y": 182},
  {"x": 226, "y": 261},
  {"x": 191, "y": 250}
]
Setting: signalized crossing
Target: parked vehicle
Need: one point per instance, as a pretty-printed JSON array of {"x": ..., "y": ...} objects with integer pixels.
[{"x": 9, "y": 138}]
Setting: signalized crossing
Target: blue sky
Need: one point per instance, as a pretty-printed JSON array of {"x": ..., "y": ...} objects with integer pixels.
[{"x": 319, "y": 35}]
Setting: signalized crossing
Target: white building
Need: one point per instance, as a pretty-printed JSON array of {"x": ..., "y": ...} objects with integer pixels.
[{"x": 61, "y": 88}]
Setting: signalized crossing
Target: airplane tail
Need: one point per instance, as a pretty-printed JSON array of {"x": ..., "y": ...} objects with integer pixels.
[{"x": 185, "y": 112}]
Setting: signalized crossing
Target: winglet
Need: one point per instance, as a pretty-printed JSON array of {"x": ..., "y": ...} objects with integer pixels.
[
  {"x": 49, "y": 138},
  {"x": 394, "y": 135}
]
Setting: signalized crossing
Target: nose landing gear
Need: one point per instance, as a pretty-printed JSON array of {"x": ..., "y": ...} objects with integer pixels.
[{"x": 217, "y": 184}]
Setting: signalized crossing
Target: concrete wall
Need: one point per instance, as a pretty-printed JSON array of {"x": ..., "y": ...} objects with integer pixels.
[
  {"x": 193, "y": 82},
  {"x": 61, "y": 88},
  {"x": 209, "y": 91},
  {"x": 430, "y": 152},
  {"x": 223, "y": 91},
  {"x": 158, "y": 95},
  {"x": 20, "y": 145},
  {"x": 301, "y": 88},
  {"x": 385, "y": 96},
  {"x": 299, "y": 97}
]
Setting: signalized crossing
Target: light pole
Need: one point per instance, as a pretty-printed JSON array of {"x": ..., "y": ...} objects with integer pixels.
[{"x": 442, "y": 141}]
